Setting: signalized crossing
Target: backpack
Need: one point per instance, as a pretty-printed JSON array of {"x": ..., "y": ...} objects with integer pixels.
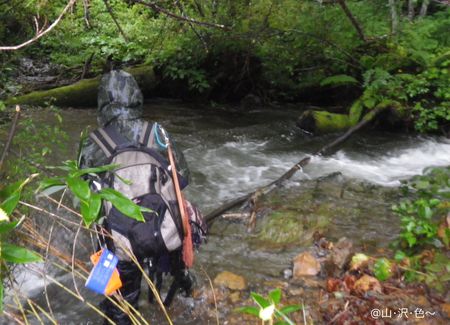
[{"x": 143, "y": 175}]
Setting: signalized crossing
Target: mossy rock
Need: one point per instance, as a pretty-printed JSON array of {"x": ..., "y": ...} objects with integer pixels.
[
  {"x": 281, "y": 227},
  {"x": 84, "y": 92},
  {"x": 324, "y": 122}
]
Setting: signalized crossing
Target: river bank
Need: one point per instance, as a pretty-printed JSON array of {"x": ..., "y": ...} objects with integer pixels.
[{"x": 231, "y": 152}]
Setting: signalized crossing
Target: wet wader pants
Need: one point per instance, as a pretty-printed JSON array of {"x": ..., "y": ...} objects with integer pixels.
[{"x": 130, "y": 275}]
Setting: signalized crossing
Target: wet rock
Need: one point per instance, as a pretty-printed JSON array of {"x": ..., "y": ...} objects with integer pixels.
[
  {"x": 342, "y": 252},
  {"x": 295, "y": 291},
  {"x": 218, "y": 295},
  {"x": 250, "y": 101},
  {"x": 367, "y": 283},
  {"x": 234, "y": 297},
  {"x": 359, "y": 261},
  {"x": 230, "y": 281},
  {"x": 446, "y": 309},
  {"x": 276, "y": 284},
  {"x": 305, "y": 264},
  {"x": 287, "y": 274}
]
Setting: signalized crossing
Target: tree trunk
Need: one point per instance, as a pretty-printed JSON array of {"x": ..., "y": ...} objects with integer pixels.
[
  {"x": 411, "y": 8},
  {"x": 352, "y": 19},
  {"x": 84, "y": 92},
  {"x": 394, "y": 16},
  {"x": 424, "y": 8}
]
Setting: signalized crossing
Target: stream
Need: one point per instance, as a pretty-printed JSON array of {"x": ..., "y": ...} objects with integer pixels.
[{"x": 231, "y": 152}]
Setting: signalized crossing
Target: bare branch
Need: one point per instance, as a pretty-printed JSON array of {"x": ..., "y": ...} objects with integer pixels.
[
  {"x": 164, "y": 11},
  {"x": 87, "y": 14},
  {"x": 394, "y": 16},
  {"x": 111, "y": 13},
  {"x": 424, "y": 8},
  {"x": 352, "y": 19},
  {"x": 41, "y": 32}
]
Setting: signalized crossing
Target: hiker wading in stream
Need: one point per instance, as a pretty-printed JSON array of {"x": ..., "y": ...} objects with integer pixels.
[{"x": 145, "y": 155}]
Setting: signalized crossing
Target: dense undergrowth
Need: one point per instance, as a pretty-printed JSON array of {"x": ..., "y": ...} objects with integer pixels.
[{"x": 284, "y": 51}]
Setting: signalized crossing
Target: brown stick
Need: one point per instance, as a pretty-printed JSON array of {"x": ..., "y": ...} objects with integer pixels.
[
  {"x": 40, "y": 33},
  {"x": 111, "y": 13},
  {"x": 352, "y": 19},
  {"x": 12, "y": 131},
  {"x": 164, "y": 11},
  {"x": 210, "y": 217}
]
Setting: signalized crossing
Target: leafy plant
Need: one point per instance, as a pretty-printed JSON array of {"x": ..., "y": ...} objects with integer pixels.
[
  {"x": 11, "y": 253},
  {"x": 421, "y": 229},
  {"x": 382, "y": 269},
  {"x": 268, "y": 308},
  {"x": 338, "y": 80},
  {"x": 77, "y": 181}
]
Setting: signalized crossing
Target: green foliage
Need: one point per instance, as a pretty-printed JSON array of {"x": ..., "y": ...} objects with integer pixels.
[
  {"x": 268, "y": 308},
  {"x": 418, "y": 227},
  {"x": 90, "y": 201},
  {"x": 10, "y": 253},
  {"x": 339, "y": 80},
  {"x": 421, "y": 217},
  {"x": 382, "y": 269},
  {"x": 26, "y": 157}
]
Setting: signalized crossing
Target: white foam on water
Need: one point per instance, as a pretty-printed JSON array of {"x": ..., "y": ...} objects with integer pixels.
[
  {"x": 236, "y": 167},
  {"x": 386, "y": 170}
]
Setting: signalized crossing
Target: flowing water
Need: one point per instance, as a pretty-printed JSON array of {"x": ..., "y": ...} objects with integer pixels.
[{"x": 230, "y": 153}]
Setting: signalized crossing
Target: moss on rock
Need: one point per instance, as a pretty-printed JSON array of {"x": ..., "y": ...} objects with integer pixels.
[{"x": 323, "y": 122}]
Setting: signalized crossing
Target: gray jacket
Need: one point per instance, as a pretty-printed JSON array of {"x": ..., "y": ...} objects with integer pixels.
[{"x": 120, "y": 104}]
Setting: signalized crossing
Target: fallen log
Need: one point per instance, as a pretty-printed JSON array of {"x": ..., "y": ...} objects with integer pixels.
[
  {"x": 84, "y": 92},
  {"x": 325, "y": 150},
  {"x": 321, "y": 122}
]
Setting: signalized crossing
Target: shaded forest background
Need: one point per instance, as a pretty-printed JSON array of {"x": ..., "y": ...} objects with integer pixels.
[{"x": 384, "y": 52}]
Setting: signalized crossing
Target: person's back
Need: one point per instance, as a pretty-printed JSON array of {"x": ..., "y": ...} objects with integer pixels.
[
  {"x": 120, "y": 104},
  {"x": 120, "y": 117}
]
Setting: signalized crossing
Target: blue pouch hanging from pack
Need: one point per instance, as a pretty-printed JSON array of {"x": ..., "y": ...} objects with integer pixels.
[{"x": 101, "y": 274}]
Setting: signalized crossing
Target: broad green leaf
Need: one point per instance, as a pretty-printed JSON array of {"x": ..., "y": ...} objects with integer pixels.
[
  {"x": 399, "y": 256},
  {"x": 123, "y": 204},
  {"x": 93, "y": 209},
  {"x": 10, "y": 189},
  {"x": 10, "y": 203},
  {"x": 382, "y": 269},
  {"x": 8, "y": 226},
  {"x": 52, "y": 189},
  {"x": 286, "y": 310},
  {"x": 79, "y": 188},
  {"x": 94, "y": 170},
  {"x": 249, "y": 310},
  {"x": 260, "y": 300},
  {"x": 338, "y": 80},
  {"x": 16, "y": 254},
  {"x": 282, "y": 322},
  {"x": 275, "y": 296},
  {"x": 49, "y": 182},
  {"x": 71, "y": 165},
  {"x": 425, "y": 212},
  {"x": 290, "y": 309}
]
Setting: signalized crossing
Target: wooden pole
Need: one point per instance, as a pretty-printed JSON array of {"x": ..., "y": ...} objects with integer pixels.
[{"x": 188, "y": 250}]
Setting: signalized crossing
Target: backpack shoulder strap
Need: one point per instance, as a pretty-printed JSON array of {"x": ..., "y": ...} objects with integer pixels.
[
  {"x": 108, "y": 139},
  {"x": 147, "y": 136}
]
